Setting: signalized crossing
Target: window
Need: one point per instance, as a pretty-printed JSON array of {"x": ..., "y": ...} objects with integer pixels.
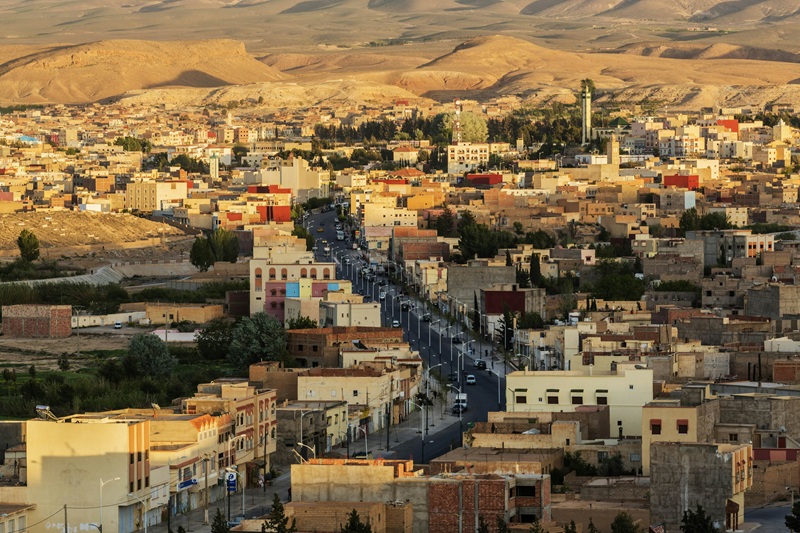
[
  {"x": 635, "y": 457},
  {"x": 552, "y": 400},
  {"x": 733, "y": 437},
  {"x": 655, "y": 426},
  {"x": 577, "y": 400},
  {"x": 138, "y": 456},
  {"x": 683, "y": 427},
  {"x": 131, "y": 458},
  {"x": 130, "y": 489},
  {"x": 258, "y": 279},
  {"x": 147, "y": 480},
  {"x": 602, "y": 400},
  {"x": 520, "y": 399},
  {"x": 526, "y": 491},
  {"x": 138, "y": 484},
  {"x": 355, "y": 393}
]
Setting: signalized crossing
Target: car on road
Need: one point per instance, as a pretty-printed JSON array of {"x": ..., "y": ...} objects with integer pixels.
[
  {"x": 426, "y": 317},
  {"x": 480, "y": 364},
  {"x": 452, "y": 377},
  {"x": 395, "y": 323},
  {"x": 382, "y": 283},
  {"x": 355, "y": 246},
  {"x": 458, "y": 340},
  {"x": 320, "y": 230},
  {"x": 405, "y": 306},
  {"x": 471, "y": 379},
  {"x": 117, "y": 325},
  {"x": 382, "y": 296},
  {"x": 457, "y": 409}
]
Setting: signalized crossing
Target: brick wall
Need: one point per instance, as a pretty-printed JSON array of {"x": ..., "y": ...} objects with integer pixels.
[
  {"x": 329, "y": 517},
  {"x": 37, "y": 321}
]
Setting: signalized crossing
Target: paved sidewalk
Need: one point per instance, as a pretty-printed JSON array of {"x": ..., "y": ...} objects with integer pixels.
[{"x": 258, "y": 502}]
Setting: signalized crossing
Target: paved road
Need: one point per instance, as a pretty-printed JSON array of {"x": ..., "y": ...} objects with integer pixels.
[
  {"x": 769, "y": 519},
  {"x": 432, "y": 339}
]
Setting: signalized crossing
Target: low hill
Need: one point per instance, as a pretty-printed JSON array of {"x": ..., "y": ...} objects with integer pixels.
[{"x": 95, "y": 71}]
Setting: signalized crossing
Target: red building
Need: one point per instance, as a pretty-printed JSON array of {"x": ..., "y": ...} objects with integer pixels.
[
  {"x": 690, "y": 181},
  {"x": 484, "y": 179},
  {"x": 37, "y": 321},
  {"x": 730, "y": 125}
]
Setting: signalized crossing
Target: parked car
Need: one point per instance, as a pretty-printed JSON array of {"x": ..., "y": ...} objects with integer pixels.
[
  {"x": 395, "y": 323},
  {"x": 457, "y": 409},
  {"x": 426, "y": 317},
  {"x": 480, "y": 364},
  {"x": 458, "y": 340},
  {"x": 452, "y": 377},
  {"x": 471, "y": 379},
  {"x": 117, "y": 325},
  {"x": 405, "y": 306}
]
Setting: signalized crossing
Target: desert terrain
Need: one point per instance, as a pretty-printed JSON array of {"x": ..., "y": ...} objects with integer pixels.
[{"x": 299, "y": 53}]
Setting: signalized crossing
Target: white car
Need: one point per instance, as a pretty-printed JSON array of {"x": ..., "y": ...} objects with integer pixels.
[
  {"x": 117, "y": 325},
  {"x": 382, "y": 296},
  {"x": 471, "y": 379},
  {"x": 395, "y": 323}
]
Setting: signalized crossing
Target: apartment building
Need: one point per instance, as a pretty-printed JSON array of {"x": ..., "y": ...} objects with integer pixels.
[
  {"x": 149, "y": 195},
  {"x": 624, "y": 390}
]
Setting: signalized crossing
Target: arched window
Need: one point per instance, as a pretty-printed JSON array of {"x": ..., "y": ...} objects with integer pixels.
[
  {"x": 326, "y": 273},
  {"x": 284, "y": 274},
  {"x": 303, "y": 273},
  {"x": 272, "y": 273},
  {"x": 313, "y": 273},
  {"x": 273, "y": 292},
  {"x": 259, "y": 286}
]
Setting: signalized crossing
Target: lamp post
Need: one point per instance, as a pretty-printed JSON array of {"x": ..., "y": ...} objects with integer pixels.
[
  {"x": 302, "y": 414},
  {"x": 144, "y": 505},
  {"x": 103, "y": 484},
  {"x": 460, "y": 410},
  {"x": 499, "y": 398},
  {"x": 309, "y": 447},
  {"x": 430, "y": 327},
  {"x": 366, "y": 443},
  {"x": 231, "y": 466},
  {"x": 169, "y": 489},
  {"x": 206, "y": 462},
  {"x": 427, "y": 376}
]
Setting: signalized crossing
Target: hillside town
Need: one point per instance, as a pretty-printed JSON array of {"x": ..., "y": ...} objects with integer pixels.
[{"x": 473, "y": 316}]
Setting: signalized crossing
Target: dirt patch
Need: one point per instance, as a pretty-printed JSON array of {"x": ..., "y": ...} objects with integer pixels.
[{"x": 44, "y": 353}]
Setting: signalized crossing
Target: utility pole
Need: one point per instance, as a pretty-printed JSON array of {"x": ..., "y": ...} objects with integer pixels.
[
  {"x": 388, "y": 422},
  {"x": 66, "y": 523}
]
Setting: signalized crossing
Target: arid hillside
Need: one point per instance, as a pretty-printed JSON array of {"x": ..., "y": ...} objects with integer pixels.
[{"x": 104, "y": 69}]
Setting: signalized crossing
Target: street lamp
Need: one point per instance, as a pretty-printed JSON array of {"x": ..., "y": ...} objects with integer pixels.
[
  {"x": 309, "y": 447},
  {"x": 366, "y": 443},
  {"x": 144, "y": 505},
  {"x": 103, "y": 484},
  {"x": 302, "y": 414},
  {"x": 427, "y": 377},
  {"x": 430, "y": 327},
  {"x": 206, "y": 463},
  {"x": 460, "y": 411}
]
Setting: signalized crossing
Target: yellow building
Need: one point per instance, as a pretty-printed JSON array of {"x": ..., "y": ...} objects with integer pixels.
[
  {"x": 195, "y": 313},
  {"x": 149, "y": 195},
  {"x": 81, "y": 461},
  {"x": 625, "y": 391}
]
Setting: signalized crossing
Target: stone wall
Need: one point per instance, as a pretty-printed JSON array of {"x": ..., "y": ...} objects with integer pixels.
[{"x": 37, "y": 321}]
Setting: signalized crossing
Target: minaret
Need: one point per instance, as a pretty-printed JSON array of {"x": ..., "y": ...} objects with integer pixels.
[
  {"x": 214, "y": 167},
  {"x": 612, "y": 150},
  {"x": 586, "y": 115},
  {"x": 457, "y": 122}
]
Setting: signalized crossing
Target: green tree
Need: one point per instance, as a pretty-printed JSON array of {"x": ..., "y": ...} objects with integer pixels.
[
  {"x": 536, "y": 527},
  {"x": 502, "y": 525},
  {"x": 303, "y": 233},
  {"x": 201, "y": 255},
  {"x": 540, "y": 239},
  {"x": 616, "y": 280},
  {"x": 32, "y": 371},
  {"x": 715, "y": 221},
  {"x": 301, "y": 322},
  {"x": 591, "y": 528},
  {"x": 219, "y": 524},
  {"x": 588, "y": 83},
  {"x": 445, "y": 223},
  {"x": 260, "y": 337},
  {"x": 793, "y": 520},
  {"x": 148, "y": 356},
  {"x": 483, "y": 525},
  {"x": 535, "y": 271},
  {"x": 509, "y": 262},
  {"x": 28, "y": 245},
  {"x": 465, "y": 220},
  {"x": 473, "y": 127},
  {"x": 355, "y": 525},
  {"x": 699, "y": 522},
  {"x": 690, "y": 220},
  {"x": 63, "y": 363},
  {"x": 476, "y": 314},
  {"x": 132, "y": 144},
  {"x": 518, "y": 228},
  {"x": 571, "y": 527},
  {"x": 277, "y": 521},
  {"x": 623, "y": 523},
  {"x": 214, "y": 340},
  {"x": 224, "y": 245}
]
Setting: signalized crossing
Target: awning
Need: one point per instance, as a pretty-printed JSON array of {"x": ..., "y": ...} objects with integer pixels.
[
  {"x": 577, "y": 390},
  {"x": 552, "y": 390},
  {"x": 683, "y": 422},
  {"x": 655, "y": 421}
]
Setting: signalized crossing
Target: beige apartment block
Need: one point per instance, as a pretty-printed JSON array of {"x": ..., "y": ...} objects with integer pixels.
[
  {"x": 149, "y": 195},
  {"x": 625, "y": 391}
]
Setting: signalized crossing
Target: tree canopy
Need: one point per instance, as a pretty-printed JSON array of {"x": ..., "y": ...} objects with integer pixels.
[
  {"x": 355, "y": 525},
  {"x": 473, "y": 127},
  {"x": 214, "y": 340},
  {"x": 148, "y": 356},
  {"x": 277, "y": 521},
  {"x": 698, "y": 521},
  {"x": 28, "y": 245},
  {"x": 256, "y": 338}
]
